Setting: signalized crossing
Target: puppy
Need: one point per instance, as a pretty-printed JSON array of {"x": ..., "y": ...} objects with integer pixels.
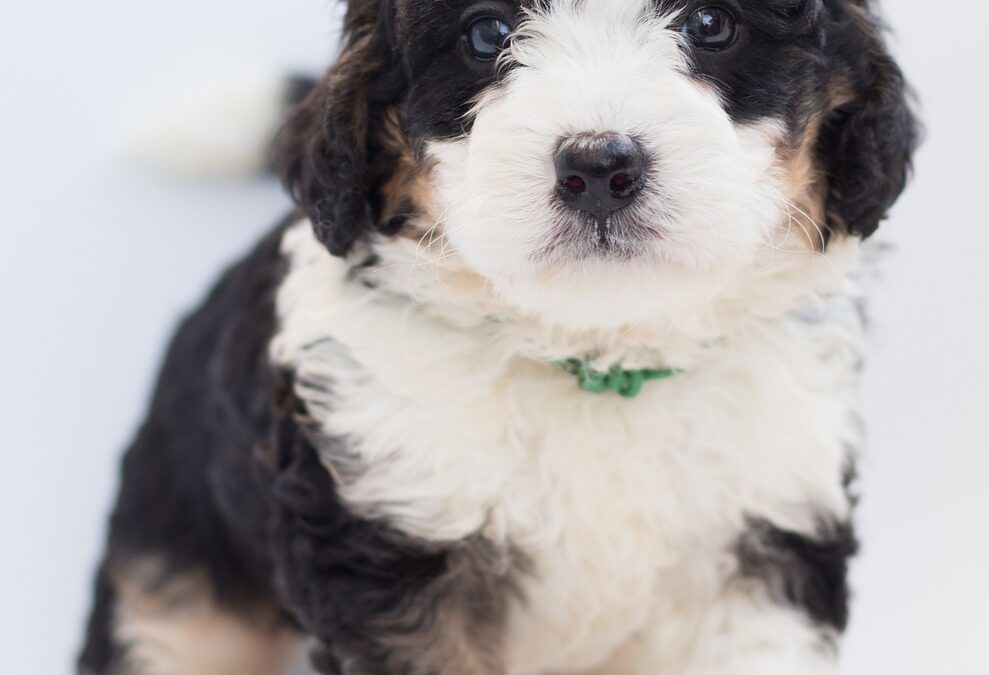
[{"x": 554, "y": 370}]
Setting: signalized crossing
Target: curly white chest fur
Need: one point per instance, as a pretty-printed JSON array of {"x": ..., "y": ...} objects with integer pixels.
[{"x": 626, "y": 510}]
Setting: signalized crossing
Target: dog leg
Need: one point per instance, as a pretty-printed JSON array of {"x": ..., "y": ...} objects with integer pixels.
[
  {"x": 158, "y": 624},
  {"x": 761, "y": 638},
  {"x": 377, "y": 601},
  {"x": 743, "y": 633}
]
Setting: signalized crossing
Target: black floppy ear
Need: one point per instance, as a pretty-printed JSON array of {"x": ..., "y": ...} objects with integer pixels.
[
  {"x": 329, "y": 152},
  {"x": 867, "y": 144}
]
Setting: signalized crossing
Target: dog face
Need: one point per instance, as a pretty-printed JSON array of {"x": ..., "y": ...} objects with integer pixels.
[{"x": 593, "y": 155}]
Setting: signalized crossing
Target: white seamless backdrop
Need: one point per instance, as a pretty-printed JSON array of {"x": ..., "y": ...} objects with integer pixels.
[{"x": 98, "y": 260}]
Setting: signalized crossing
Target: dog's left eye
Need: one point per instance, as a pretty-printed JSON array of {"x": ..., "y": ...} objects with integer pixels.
[
  {"x": 712, "y": 28},
  {"x": 487, "y": 37}
]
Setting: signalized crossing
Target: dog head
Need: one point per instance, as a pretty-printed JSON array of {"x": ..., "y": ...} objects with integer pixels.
[{"x": 603, "y": 158}]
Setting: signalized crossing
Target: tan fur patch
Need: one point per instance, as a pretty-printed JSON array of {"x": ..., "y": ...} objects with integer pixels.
[
  {"x": 409, "y": 191},
  {"x": 806, "y": 191},
  {"x": 176, "y": 629},
  {"x": 806, "y": 184}
]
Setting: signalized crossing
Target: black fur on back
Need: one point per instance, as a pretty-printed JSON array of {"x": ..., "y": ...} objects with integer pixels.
[
  {"x": 223, "y": 482},
  {"x": 188, "y": 498}
]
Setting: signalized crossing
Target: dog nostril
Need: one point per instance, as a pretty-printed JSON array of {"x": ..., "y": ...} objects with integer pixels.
[
  {"x": 574, "y": 185},
  {"x": 620, "y": 182}
]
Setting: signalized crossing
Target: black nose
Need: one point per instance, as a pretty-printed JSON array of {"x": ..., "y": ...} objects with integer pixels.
[{"x": 599, "y": 173}]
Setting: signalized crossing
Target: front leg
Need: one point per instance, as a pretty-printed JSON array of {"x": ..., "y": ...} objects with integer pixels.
[
  {"x": 377, "y": 602},
  {"x": 757, "y": 636},
  {"x": 777, "y": 605}
]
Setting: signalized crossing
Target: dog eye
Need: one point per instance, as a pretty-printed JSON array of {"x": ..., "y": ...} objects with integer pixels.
[
  {"x": 487, "y": 37},
  {"x": 713, "y": 28}
]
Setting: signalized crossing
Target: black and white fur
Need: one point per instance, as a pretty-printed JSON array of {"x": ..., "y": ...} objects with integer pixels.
[{"x": 360, "y": 448}]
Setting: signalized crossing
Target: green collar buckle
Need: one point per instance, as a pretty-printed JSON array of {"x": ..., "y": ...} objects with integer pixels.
[{"x": 627, "y": 383}]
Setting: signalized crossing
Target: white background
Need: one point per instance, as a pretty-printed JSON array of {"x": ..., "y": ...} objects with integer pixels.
[{"x": 97, "y": 261}]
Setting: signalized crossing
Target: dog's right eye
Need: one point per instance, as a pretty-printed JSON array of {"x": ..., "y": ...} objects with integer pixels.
[{"x": 487, "y": 37}]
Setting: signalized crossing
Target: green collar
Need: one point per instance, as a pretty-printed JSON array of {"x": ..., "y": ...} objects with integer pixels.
[{"x": 627, "y": 383}]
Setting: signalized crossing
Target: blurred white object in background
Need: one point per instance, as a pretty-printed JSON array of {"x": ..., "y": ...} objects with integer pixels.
[{"x": 219, "y": 127}]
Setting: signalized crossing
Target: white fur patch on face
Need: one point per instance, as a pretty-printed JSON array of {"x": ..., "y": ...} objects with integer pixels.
[{"x": 712, "y": 195}]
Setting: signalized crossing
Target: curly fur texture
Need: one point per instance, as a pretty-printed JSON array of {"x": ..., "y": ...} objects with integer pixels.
[{"x": 359, "y": 448}]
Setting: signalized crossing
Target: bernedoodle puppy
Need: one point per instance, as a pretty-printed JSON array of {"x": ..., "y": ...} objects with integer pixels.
[{"x": 554, "y": 370}]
